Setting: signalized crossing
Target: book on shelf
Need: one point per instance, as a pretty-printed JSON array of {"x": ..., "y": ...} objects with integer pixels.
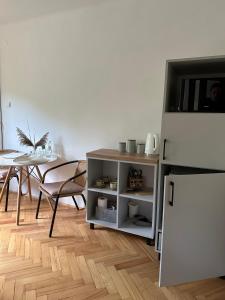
[
  {"x": 196, "y": 95},
  {"x": 186, "y": 95}
]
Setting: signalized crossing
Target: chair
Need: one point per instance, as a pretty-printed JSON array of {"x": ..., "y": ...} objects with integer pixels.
[
  {"x": 3, "y": 176},
  {"x": 71, "y": 187}
]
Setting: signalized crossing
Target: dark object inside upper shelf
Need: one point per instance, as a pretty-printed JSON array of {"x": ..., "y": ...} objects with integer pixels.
[{"x": 191, "y": 84}]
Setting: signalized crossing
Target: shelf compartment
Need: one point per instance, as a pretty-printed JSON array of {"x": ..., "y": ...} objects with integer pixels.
[
  {"x": 149, "y": 173},
  {"x": 145, "y": 231},
  {"x": 97, "y": 169},
  {"x": 107, "y": 191},
  {"x": 103, "y": 223},
  {"x": 93, "y": 203},
  {"x": 188, "y": 84},
  {"x": 126, "y": 224},
  {"x": 147, "y": 198}
]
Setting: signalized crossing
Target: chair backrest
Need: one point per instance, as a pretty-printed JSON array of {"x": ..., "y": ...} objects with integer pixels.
[{"x": 81, "y": 166}]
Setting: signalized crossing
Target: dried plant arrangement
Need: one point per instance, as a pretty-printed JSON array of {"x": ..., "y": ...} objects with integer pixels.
[{"x": 26, "y": 141}]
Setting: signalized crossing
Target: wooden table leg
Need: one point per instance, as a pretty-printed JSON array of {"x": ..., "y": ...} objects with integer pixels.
[
  {"x": 5, "y": 183},
  {"x": 28, "y": 183},
  {"x": 19, "y": 195}
]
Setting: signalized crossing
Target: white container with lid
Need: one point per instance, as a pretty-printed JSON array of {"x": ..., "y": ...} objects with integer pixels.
[{"x": 102, "y": 202}]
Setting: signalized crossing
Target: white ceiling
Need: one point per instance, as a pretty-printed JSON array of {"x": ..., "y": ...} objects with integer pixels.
[{"x": 16, "y": 10}]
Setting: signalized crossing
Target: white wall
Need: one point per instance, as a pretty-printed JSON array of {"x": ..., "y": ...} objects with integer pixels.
[{"x": 94, "y": 76}]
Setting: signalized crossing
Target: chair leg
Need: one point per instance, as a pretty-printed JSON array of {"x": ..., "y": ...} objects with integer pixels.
[
  {"x": 75, "y": 202},
  {"x": 83, "y": 199},
  {"x": 53, "y": 217},
  {"x": 39, "y": 203},
  {"x": 7, "y": 196},
  {"x": 5, "y": 183}
]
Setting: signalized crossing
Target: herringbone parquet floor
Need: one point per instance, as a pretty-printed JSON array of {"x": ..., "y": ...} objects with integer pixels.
[{"x": 79, "y": 263}]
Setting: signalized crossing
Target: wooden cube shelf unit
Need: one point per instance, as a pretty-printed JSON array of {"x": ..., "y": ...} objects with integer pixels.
[{"x": 115, "y": 165}]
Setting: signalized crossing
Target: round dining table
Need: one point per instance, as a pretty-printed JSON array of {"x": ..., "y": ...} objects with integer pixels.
[{"x": 21, "y": 163}]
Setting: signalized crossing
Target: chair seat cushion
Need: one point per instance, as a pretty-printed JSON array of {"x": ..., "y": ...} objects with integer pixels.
[
  {"x": 4, "y": 172},
  {"x": 70, "y": 188}
]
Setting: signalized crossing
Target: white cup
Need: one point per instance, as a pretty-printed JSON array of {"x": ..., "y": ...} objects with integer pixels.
[{"x": 133, "y": 209}]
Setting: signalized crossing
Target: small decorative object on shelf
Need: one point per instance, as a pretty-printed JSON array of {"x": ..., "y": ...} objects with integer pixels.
[
  {"x": 122, "y": 147},
  {"x": 140, "y": 148},
  {"x": 99, "y": 183},
  {"x": 113, "y": 185},
  {"x": 140, "y": 220},
  {"x": 135, "y": 180},
  {"x": 131, "y": 146},
  {"x": 106, "y": 182},
  {"x": 26, "y": 141}
]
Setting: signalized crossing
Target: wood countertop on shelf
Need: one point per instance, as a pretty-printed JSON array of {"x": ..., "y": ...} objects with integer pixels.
[{"x": 116, "y": 155}]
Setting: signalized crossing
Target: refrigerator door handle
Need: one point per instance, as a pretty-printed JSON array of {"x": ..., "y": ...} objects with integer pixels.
[
  {"x": 172, "y": 193},
  {"x": 164, "y": 149}
]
